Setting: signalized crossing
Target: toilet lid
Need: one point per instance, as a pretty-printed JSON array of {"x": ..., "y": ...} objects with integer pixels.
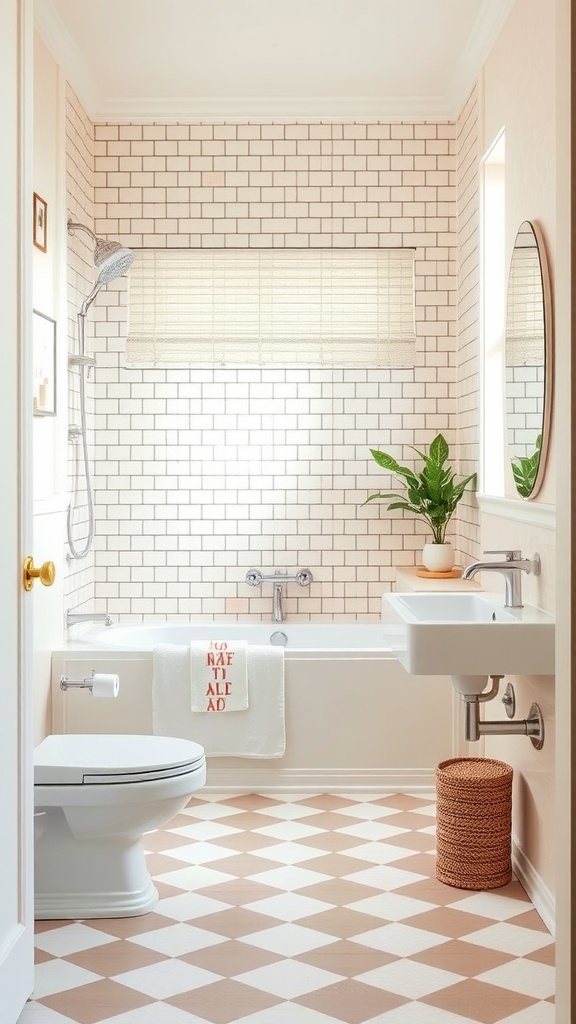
[{"x": 98, "y": 759}]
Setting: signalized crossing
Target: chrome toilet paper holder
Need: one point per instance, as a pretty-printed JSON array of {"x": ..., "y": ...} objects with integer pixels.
[{"x": 79, "y": 684}]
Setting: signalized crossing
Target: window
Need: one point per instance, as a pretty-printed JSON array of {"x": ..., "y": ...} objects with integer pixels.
[
  {"x": 279, "y": 307},
  {"x": 525, "y": 304}
]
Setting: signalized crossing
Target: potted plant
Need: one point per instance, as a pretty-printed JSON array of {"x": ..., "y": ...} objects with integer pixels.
[{"x": 431, "y": 494}]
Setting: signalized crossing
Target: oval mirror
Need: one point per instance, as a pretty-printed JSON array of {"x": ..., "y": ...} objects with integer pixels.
[{"x": 528, "y": 355}]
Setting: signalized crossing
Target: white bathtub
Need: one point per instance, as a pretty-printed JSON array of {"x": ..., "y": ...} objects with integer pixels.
[
  {"x": 354, "y": 718},
  {"x": 325, "y": 639}
]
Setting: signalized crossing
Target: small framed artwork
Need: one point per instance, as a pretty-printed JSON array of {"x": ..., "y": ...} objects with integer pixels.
[
  {"x": 40, "y": 214},
  {"x": 44, "y": 364}
]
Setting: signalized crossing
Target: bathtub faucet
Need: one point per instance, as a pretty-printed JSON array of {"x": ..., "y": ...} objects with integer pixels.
[
  {"x": 254, "y": 578},
  {"x": 74, "y": 617}
]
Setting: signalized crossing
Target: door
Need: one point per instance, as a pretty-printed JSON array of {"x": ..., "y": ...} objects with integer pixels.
[{"x": 16, "y": 816}]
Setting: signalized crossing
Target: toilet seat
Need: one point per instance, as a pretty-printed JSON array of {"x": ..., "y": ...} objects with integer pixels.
[{"x": 76, "y": 760}]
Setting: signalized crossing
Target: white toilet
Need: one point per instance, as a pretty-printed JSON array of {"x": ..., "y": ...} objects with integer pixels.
[{"x": 94, "y": 797}]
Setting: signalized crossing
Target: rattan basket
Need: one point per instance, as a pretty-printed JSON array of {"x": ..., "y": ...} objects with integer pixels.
[{"x": 473, "y": 822}]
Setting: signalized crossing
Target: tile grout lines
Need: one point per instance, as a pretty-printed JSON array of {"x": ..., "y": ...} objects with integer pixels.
[{"x": 300, "y": 909}]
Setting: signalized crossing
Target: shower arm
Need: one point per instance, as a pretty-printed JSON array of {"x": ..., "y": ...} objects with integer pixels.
[{"x": 74, "y": 225}]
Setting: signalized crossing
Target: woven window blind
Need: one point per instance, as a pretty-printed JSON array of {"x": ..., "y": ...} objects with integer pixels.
[
  {"x": 525, "y": 309},
  {"x": 310, "y": 307}
]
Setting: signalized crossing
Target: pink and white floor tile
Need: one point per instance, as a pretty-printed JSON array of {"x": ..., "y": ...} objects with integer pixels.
[{"x": 300, "y": 909}]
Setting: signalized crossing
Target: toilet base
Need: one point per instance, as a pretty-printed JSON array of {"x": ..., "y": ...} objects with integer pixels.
[
  {"x": 79, "y": 905},
  {"x": 88, "y": 877}
]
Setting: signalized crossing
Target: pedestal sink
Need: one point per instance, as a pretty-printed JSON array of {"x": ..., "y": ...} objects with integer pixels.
[{"x": 465, "y": 635}]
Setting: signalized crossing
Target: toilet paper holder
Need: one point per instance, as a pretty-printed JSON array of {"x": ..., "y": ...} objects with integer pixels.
[
  {"x": 80, "y": 684},
  {"x": 99, "y": 684}
]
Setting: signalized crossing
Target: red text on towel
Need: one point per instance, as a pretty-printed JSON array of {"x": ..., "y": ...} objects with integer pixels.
[{"x": 218, "y": 660}]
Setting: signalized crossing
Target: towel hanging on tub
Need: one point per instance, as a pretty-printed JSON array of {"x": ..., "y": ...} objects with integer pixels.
[
  {"x": 258, "y": 731},
  {"x": 218, "y": 675}
]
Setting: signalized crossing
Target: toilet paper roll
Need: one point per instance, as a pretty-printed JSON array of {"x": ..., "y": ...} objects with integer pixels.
[{"x": 105, "y": 685}]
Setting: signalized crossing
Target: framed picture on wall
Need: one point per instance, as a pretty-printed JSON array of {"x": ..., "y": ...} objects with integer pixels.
[
  {"x": 44, "y": 364},
  {"x": 40, "y": 214}
]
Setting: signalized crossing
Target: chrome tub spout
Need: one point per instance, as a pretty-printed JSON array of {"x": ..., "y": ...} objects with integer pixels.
[{"x": 72, "y": 618}]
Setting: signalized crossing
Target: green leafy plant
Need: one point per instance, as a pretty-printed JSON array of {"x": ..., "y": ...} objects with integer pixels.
[
  {"x": 431, "y": 494},
  {"x": 525, "y": 470}
]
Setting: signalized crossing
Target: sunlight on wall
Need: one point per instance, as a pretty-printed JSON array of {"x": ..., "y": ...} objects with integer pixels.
[{"x": 493, "y": 291}]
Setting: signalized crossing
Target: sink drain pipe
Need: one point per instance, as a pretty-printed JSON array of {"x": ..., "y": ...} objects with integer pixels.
[{"x": 475, "y": 727}]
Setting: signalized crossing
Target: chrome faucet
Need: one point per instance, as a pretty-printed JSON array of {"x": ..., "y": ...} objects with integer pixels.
[
  {"x": 254, "y": 578},
  {"x": 277, "y": 610},
  {"x": 72, "y": 618},
  {"x": 511, "y": 568}
]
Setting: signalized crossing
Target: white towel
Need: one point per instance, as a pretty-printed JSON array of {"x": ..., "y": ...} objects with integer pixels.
[
  {"x": 218, "y": 675},
  {"x": 258, "y": 731}
]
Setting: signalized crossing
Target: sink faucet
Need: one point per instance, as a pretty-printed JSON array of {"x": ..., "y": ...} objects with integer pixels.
[
  {"x": 73, "y": 617},
  {"x": 511, "y": 568}
]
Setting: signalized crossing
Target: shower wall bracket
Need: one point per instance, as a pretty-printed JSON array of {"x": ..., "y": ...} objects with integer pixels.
[{"x": 75, "y": 433}]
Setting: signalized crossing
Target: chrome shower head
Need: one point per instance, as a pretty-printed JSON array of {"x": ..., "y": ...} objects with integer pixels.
[{"x": 111, "y": 259}]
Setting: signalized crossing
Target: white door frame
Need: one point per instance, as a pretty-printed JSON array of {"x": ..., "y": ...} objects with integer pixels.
[{"x": 16, "y": 769}]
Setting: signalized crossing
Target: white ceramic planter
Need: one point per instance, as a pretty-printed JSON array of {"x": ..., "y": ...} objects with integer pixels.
[{"x": 438, "y": 557}]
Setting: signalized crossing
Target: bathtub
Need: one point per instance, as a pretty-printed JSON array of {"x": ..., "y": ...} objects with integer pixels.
[
  {"x": 300, "y": 639},
  {"x": 355, "y": 720}
]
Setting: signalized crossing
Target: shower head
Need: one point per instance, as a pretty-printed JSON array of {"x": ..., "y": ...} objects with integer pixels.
[{"x": 110, "y": 258}]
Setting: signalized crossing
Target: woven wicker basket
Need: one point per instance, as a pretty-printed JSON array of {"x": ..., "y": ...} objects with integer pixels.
[{"x": 473, "y": 822}]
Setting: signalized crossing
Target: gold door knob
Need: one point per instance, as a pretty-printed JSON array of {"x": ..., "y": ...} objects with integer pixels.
[{"x": 46, "y": 573}]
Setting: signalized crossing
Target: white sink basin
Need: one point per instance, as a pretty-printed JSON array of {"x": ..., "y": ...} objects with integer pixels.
[{"x": 470, "y": 634}]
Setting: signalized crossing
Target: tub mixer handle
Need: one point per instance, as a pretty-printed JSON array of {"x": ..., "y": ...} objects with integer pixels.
[
  {"x": 303, "y": 577},
  {"x": 254, "y": 577}
]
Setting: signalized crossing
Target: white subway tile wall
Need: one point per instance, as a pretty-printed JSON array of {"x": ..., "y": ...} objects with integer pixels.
[
  {"x": 202, "y": 474},
  {"x": 80, "y": 579},
  {"x": 524, "y": 408}
]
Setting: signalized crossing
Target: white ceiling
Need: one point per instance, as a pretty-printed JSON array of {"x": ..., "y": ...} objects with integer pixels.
[{"x": 218, "y": 59}]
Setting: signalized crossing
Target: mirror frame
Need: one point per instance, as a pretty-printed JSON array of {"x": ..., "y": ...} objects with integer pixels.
[{"x": 548, "y": 356}]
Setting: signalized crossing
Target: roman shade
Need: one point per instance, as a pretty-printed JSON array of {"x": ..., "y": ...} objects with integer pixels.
[
  {"x": 525, "y": 309},
  {"x": 272, "y": 307}
]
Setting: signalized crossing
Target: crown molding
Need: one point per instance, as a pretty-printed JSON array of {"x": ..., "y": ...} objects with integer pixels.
[
  {"x": 54, "y": 33},
  {"x": 484, "y": 34},
  {"x": 274, "y": 108}
]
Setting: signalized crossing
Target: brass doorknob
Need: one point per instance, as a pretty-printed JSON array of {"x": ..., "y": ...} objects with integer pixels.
[{"x": 46, "y": 573}]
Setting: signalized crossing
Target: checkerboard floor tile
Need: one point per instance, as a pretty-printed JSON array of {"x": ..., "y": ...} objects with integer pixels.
[{"x": 298, "y": 909}]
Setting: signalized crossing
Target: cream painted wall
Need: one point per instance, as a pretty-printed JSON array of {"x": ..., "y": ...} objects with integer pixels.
[{"x": 519, "y": 95}]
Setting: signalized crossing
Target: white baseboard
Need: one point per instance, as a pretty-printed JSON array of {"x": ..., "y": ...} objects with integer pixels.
[
  {"x": 539, "y": 893},
  {"x": 321, "y": 780}
]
